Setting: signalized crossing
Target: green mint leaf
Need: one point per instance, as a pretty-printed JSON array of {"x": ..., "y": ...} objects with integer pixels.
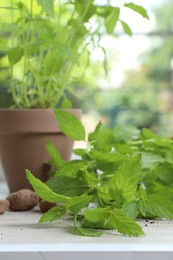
[
  {"x": 141, "y": 193},
  {"x": 162, "y": 190},
  {"x": 91, "y": 179},
  {"x": 111, "y": 19},
  {"x": 96, "y": 215},
  {"x": 123, "y": 148},
  {"x": 67, "y": 186},
  {"x": 43, "y": 191},
  {"x": 137, "y": 8},
  {"x": 53, "y": 214},
  {"x": 125, "y": 225},
  {"x": 149, "y": 160},
  {"x": 103, "y": 194},
  {"x": 164, "y": 172},
  {"x": 75, "y": 204},
  {"x": 80, "y": 151},
  {"x": 57, "y": 161},
  {"x": 104, "y": 157},
  {"x": 126, "y": 178},
  {"x": 71, "y": 168},
  {"x": 130, "y": 209},
  {"x": 156, "y": 206},
  {"x": 123, "y": 134},
  {"x": 47, "y": 6},
  {"x": 126, "y": 28},
  {"x": 107, "y": 162},
  {"x": 70, "y": 125},
  {"x": 102, "y": 138},
  {"x": 89, "y": 232}
]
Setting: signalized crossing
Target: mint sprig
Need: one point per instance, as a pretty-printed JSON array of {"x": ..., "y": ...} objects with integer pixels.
[{"x": 122, "y": 175}]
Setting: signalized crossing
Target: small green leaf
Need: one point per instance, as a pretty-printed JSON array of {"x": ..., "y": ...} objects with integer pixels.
[
  {"x": 85, "y": 11},
  {"x": 79, "y": 151},
  {"x": 123, "y": 134},
  {"x": 137, "y": 8},
  {"x": 102, "y": 138},
  {"x": 89, "y": 232},
  {"x": 71, "y": 168},
  {"x": 75, "y": 204},
  {"x": 149, "y": 160},
  {"x": 47, "y": 6},
  {"x": 126, "y": 28},
  {"x": 104, "y": 157},
  {"x": 91, "y": 179},
  {"x": 70, "y": 125},
  {"x": 53, "y": 63},
  {"x": 124, "y": 224},
  {"x": 15, "y": 55},
  {"x": 57, "y": 161},
  {"x": 156, "y": 205},
  {"x": 43, "y": 191},
  {"x": 130, "y": 209},
  {"x": 111, "y": 19},
  {"x": 96, "y": 215},
  {"x": 125, "y": 180},
  {"x": 53, "y": 214}
]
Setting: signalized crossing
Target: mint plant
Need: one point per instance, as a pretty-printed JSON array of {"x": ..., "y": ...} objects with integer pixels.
[
  {"x": 122, "y": 175},
  {"x": 46, "y": 39}
]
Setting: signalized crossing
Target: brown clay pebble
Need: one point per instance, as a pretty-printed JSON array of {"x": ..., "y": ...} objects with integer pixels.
[
  {"x": 45, "y": 206},
  {"x": 22, "y": 200},
  {"x": 4, "y": 205}
]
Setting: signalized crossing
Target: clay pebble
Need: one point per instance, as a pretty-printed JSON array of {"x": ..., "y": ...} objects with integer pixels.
[
  {"x": 4, "y": 205},
  {"x": 22, "y": 200}
]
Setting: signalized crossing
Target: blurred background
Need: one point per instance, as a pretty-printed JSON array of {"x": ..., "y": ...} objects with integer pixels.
[{"x": 138, "y": 86}]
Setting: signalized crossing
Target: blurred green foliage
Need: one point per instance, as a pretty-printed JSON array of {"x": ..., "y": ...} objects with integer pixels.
[{"x": 145, "y": 99}]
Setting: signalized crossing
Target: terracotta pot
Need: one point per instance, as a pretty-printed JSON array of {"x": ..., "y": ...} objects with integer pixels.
[{"x": 23, "y": 135}]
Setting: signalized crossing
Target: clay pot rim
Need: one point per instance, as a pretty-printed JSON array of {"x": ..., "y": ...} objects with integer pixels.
[{"x": 26, "y": 121}]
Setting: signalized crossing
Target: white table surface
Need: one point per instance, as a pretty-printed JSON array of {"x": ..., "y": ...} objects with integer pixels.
[{"x": 21, "y": 237}]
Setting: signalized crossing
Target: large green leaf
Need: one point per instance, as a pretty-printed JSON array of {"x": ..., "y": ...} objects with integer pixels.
[
  {"x": 106, "y": 218},
  {"x": 67, "y": 186},
  {"x": 70, "y": 125},
  {"x": 43, "y": 191}
]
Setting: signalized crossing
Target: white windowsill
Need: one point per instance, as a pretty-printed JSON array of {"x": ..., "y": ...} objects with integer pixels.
[{"x": 22, "y": 238}]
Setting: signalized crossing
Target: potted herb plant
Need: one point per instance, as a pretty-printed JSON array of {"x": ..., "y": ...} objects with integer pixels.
[{"x": 44, "y": 42}]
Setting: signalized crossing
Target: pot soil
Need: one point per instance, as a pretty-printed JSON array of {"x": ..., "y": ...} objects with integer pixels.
[{"x": 23, "y": 136}]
